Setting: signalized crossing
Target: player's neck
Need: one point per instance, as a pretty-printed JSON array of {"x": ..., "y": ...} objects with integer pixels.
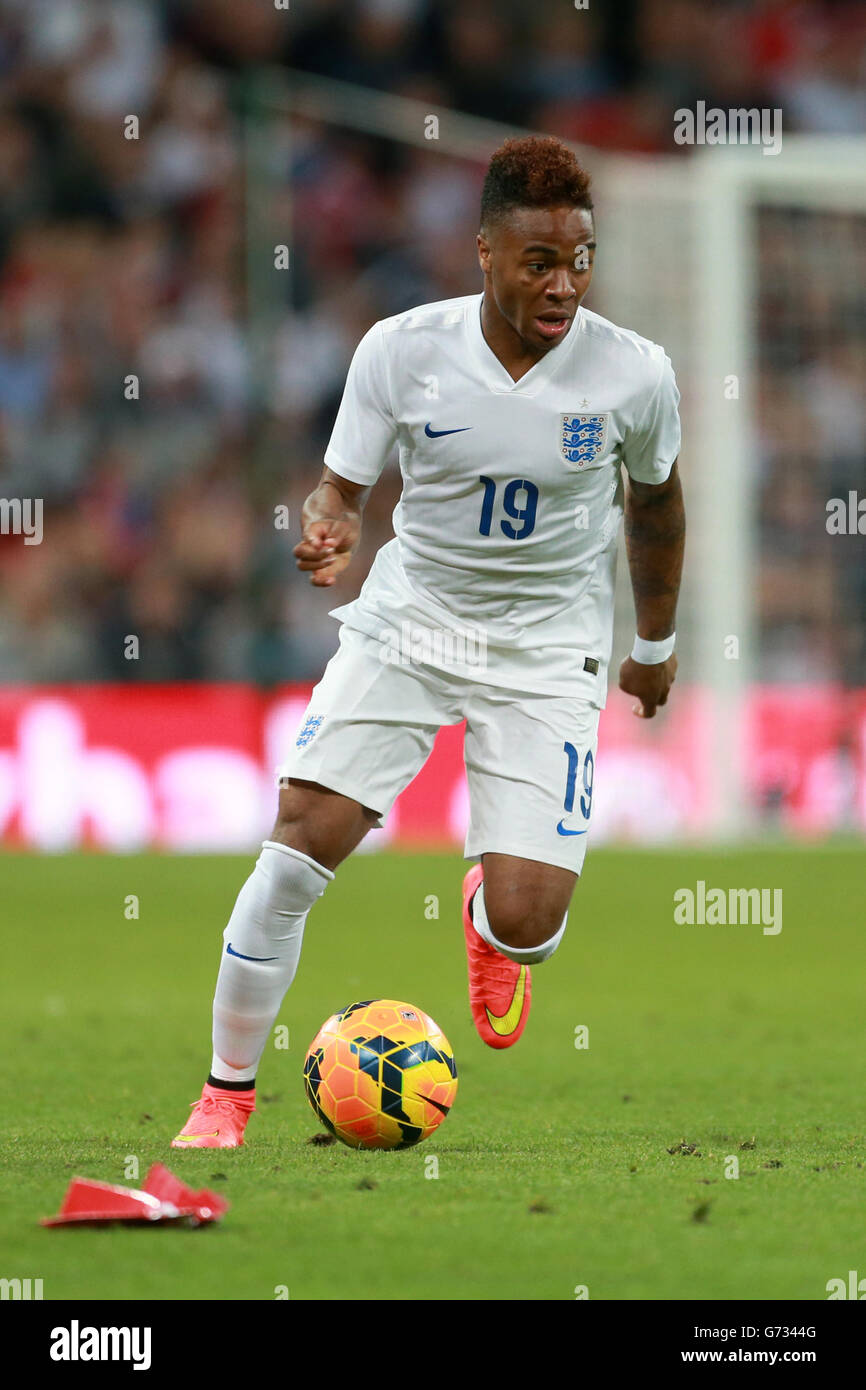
[{"x": 504, "y": 342}]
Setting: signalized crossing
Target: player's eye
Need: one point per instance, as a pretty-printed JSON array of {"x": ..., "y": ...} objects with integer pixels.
[{"x": 540, "y": 266}]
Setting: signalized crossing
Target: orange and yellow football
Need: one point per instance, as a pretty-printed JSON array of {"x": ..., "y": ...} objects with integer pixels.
[{"x": 380, "y": 1075}]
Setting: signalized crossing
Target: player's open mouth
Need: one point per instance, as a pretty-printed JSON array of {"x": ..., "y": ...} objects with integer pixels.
[{"x": 553, "y": 328}]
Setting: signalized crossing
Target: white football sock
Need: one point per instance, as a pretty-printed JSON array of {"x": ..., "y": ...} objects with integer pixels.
[
  {"x": 523, "y": 955},
  {"x": 260, "y": 956}
]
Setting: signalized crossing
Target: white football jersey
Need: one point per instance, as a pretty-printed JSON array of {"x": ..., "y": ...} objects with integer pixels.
[{"x": 505, "y": 534}]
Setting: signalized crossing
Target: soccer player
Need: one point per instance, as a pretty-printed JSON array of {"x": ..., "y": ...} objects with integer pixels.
[{"x": 514, "y": 411}]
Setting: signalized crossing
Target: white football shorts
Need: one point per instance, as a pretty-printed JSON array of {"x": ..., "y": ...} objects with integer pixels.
[{"x": 371, "y": 724}]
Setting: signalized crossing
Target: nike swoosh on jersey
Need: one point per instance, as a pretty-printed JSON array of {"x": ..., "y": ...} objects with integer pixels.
[
  {"x": 503, "y": 1024},
  {"x": 437, "y": 434},
  {"x": 239, "y": 955},
  {"x": 560, "y": 831}
]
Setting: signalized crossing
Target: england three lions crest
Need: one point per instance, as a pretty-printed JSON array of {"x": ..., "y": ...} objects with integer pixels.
[{"x": 582, "y": 438}]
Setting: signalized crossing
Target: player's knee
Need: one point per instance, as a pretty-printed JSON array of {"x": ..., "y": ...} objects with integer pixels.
[
  {"x": 298, "y": 827},
  {"x": 320, "y": 823},
  {"x": 291, "y": 829},
  {"x": 524, "y": 927}
]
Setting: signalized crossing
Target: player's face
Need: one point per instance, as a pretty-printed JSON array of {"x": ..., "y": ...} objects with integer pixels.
[{"x": 537, "y": 266}]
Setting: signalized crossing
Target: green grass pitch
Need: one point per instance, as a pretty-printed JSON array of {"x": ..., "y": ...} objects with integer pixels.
[{"x": 559, "y": 1166}]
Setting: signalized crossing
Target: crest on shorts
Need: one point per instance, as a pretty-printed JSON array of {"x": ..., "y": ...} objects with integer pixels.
[
  {"x": 309, "y": 730},
  {"x": 582, "y": 438}
]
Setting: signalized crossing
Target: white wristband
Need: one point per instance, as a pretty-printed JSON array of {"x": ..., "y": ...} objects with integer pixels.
[{"x": 653, "y": 653}]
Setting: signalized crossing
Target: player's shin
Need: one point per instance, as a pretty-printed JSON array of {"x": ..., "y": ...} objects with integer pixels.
[{"x": 262, "y": 947}]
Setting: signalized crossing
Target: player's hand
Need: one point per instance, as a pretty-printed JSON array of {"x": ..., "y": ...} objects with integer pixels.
[
  {"x": 326, "y": 547},
  {"x": 651, "y": 684}
]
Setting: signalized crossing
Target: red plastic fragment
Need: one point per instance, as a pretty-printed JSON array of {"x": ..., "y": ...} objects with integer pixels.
[
  {"x": 87, "y": 1200},
  {"x": 205, "y": 1205},
  {"x": 162, "y": 1198}
]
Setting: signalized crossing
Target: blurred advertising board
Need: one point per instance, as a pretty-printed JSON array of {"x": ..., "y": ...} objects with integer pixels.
[{"x": 190, "y": 768}]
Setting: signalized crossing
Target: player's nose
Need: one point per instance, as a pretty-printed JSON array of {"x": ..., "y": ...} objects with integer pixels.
[{"x": 559, "y": 287}]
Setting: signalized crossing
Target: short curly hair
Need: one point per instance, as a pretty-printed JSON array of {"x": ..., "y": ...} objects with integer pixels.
[{"x": 537, "y": 171}]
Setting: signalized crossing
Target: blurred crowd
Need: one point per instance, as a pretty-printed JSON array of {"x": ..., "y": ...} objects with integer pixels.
[{"x": 165, "y": 417}]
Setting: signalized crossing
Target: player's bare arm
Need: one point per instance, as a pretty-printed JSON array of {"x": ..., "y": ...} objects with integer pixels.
[
  {"x": 330, "y": 527},
  {"x": 655, "y": 531}
]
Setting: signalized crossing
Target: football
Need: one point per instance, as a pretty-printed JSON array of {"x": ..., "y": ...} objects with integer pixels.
[{"x": 380, "y": 1075}]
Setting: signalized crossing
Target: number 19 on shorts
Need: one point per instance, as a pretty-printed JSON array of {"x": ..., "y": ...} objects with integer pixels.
[{"x": 574, "y": 770}]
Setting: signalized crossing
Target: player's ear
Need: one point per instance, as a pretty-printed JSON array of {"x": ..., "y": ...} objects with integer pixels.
[{"x": 483, "y": 252}]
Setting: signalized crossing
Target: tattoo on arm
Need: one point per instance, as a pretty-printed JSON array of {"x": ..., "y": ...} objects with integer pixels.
[{"x": 655, "y": 528}]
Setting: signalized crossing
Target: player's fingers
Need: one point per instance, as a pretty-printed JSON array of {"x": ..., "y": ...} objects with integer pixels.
[
  {"x": 342, "y": 535},
  {"x": 317, "y": 535},
  {"x": 309, "y": 555},
  {"x": 313, "y": 546},
  {"x": 326, "y": 573},
  {"x": 324, "y": 577},
  {"x": 316, "y": 564}
]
